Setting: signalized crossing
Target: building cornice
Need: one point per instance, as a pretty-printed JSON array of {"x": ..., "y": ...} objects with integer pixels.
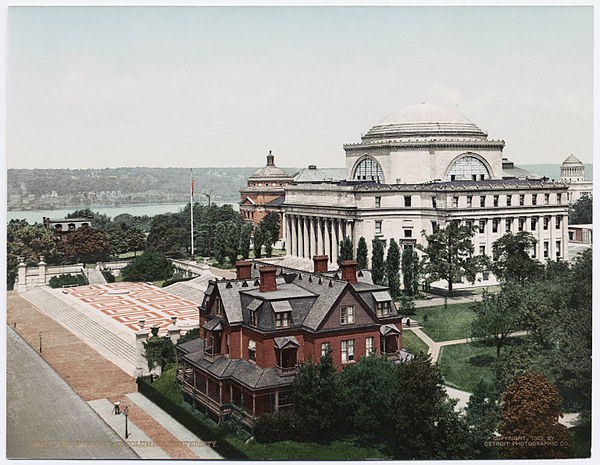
[{"x": 425, "y": 144}]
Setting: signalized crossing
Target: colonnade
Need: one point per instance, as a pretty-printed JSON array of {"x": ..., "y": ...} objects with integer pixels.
[{"x": 308, "y": 236}]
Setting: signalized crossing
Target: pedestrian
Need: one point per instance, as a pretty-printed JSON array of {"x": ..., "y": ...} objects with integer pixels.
[
  {"x": 408, "y": 322},
  {"x": 117, "y": 408}
]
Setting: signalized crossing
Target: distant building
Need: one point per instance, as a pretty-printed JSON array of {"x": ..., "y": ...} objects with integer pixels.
[
  {"x": 257, "y": 329},
  {"x": 63, "y": 227},
  {"x": 265, "y": 193},
  {"x": 581, "y": 233},
  {"x": 572, "y": 172}
]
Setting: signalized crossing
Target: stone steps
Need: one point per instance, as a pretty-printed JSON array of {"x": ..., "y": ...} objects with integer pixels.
[
  {"x": 116, "y": 349},
  {"x": 95, "y": 277}
]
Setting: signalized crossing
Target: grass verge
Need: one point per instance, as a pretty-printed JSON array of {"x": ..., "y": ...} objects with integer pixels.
[{"x": 412, "y": 343}]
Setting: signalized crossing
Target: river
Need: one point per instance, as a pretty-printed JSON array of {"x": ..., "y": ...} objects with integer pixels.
[{"x": 150, "y": 209}]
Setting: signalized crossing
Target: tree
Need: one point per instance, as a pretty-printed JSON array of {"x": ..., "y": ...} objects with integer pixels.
[
  {"x": 220, "y": 246},
  {"x": 150, "y": 266},
  {"x": 482, "y": 417},
  {"x": 270, "y": 223},
  {"x": 449, "y": 255},
  {"x": 512, "y": 262},
  {"x": 362, "y": 254},
  {"x": 136, "y": 240},
  {"x": 530, "y": 410},
  {"x": 496, "y": 317},
  {"x": 117, "y": 238},
  {"x": 244, "y": 246},
  {"x": 268, "y": 243},
  {"x": 581, "y": 212},
  {"x": 392, "y": 268},
  {"x": 410, "y": 271},
  {"x": 233, "y": 240},
  {"x": 258, "y": 241},
  {"x": 167, "y": 236},
  {"x": 315, "y": 396},
  {"x": 87, "y": 245},
  {"x": 346, "y": 251},
  {"x": 418, "y": 404},
  {"x": 159, "y": 350},
  {"x": 377, "y": 262},
  {"x": 369, "y": 389}
]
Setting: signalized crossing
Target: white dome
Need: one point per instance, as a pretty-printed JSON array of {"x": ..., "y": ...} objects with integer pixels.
[
  {"x": 425, "y": 120},
  {"x": 424, "y": 113}
]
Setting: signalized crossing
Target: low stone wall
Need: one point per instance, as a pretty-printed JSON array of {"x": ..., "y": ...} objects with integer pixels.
[
  {"x": 190, "y": 269},
  {"x": 114, "y": 267},
  {"x": 31, "y": 277}
]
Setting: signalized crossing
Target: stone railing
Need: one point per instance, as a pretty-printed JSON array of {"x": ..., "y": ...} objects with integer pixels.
[
  {"x": 189, "y": 268},
  {"x": 29, "y": 277}
]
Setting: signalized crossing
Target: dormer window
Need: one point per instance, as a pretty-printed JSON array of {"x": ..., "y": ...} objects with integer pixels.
[
  {"x": 282, "y": 319},
  {"x": 218, "y": 306},
  {"x": 347, "y": 315},
  {"x": 253, "y": 319},
  {"x": 383, "y": 302},
  {"x": 383, "y": 309}
]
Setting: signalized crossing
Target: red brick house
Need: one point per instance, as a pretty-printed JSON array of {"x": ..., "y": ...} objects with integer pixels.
[{"x": 257, "y": 329}]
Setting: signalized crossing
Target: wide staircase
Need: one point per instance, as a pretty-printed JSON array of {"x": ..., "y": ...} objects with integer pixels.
[
  {"x": 95, "y": 277},
  {"x": 111, "y": 346}
]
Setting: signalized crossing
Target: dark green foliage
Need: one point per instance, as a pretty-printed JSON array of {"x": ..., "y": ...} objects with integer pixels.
[
  {"x": 233, "y": 240},
  {"x": 191, "y": 334},
  {"x": 68, "y": 280},
  {"x": 270, "y": 224},
  {"x": 519, "y": 359},
  {"x": 268, "y": 244},
  {"x": 176, "y": 279},
  {"x": 87, "y": 245},
  {"x": 168, "y": 386},
  {"x": 167, "y": 236},
  {"x": 369, "y": 390},
  {"x": 362, "y": 254},
  {"x": 346, "y": 251},
  {"x": 449, "y": 255},
  {"x": 258, "y": 241},
  {"x": 410, "y": 271},
  {"x": 581, "y": 212},
  {"x": 482, "y": 360},
  {"x": 159, "y": 351},
  {"x": 496, "y": 317},
  {"x": 279, "y": 426},
  {"x": 512, "y": 262},
  {"x": 482, "y": 416},
  {"x": 315, "y": 396},
  {"x": 221, "y": 244},
  {"x": 377, "y": 262},
  {"x": 110, "y": 278},
  {"x": 150, "y": 266},
  {"x": 244, "y": 246},
  {"x": 392, "y": 268},
  {"x": 407, "y": 305}
]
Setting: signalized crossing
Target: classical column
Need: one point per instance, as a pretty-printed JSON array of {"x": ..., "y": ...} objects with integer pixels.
[
  {"x": 293, "y": 236},
  {"x": 319, "y": 241},
  {"x": 334, "y": 242},
  {"x": 306, "y": 252},
  {"x": 288, "y": 242},
  {"x": 327, "y": 238},
  {"x": 313, "y": 237}
]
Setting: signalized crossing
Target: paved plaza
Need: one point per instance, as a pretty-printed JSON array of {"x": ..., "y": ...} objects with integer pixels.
[
  {"x": 45, "y": 418},
  {"x": 127, "y": 303}
]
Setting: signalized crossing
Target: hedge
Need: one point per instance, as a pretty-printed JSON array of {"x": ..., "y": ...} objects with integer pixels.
[
  {"x": 71, "y": 280},
  {"x": 222, "y": 446}
]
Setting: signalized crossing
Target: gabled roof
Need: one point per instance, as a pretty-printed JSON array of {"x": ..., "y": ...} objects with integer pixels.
[{"x": 286, "y": 341}]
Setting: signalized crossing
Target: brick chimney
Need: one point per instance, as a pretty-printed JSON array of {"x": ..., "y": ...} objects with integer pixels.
[
  {"x": 320, "y": 262},
  {"x": 267, "y": 279},
  {"x": 349, "y": 271},
  {"x": 243, "y": 269}
]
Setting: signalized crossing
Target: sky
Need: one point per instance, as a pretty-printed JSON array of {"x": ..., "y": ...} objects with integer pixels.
[{"x": 97, "y": 87}]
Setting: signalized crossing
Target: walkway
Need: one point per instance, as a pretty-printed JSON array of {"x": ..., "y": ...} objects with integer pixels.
[
  {"x": 436, "y": 300},
  {"x": 45, "y": 418},
  {"x": 95, "y": 277},
  {"x": 87, "y": 372}
]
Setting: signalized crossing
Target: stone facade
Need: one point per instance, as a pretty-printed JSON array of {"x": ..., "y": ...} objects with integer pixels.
[
  {"x": 422, "y": 167},
  {"x": 572, "y": 172}
]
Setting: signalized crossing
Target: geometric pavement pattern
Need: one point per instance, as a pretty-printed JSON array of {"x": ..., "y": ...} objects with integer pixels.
[{"x": 142, "y": 302}]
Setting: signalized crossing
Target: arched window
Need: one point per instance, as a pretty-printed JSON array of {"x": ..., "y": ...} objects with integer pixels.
[
  {"x": 468, "y": 168},
  {"x": 368, "y": 170}
]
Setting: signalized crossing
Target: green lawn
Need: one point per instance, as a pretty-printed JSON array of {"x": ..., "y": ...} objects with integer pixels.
[
  {"x": 290, "y": 450},
  {"x": 446, "y": 324},
  {"x": 412, "y": 343},
  {"x": 461, "y": 371}
]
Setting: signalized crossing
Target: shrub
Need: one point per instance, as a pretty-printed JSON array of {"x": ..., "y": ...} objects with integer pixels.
[
  {"x": 68, "y": 280},
  {"x": 176, "y": 279},
  {"x": 110, "y": 278},
  {"x": 150, "y": 266},
  {"x": 278, "y": 426},
  {"x": 481, "y": 360},
  {"x": 192, "y": 334}
]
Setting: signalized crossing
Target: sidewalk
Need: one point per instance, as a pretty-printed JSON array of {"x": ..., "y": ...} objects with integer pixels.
[
  {"x": 436, "y": 300},
  {"x": 86, "y": 371}
]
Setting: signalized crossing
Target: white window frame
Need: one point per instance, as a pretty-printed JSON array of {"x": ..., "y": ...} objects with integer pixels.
[
  {"x": 369, "y": 349},
  {"x": 324, "y": 348},
  {"x": 348, "y": 351},
  {"x": 252, "y": 350},
  {"x": 347, "y": 315},
  {"x": 283, "y": 319}
]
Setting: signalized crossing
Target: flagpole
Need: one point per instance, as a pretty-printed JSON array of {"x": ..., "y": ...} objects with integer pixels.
[{"x": 192, "y": 211}]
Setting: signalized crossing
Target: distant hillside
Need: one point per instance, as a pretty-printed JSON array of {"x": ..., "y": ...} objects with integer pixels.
[
  {"x": 553, "y": 171},
  {"x": 53, "y": 188}
]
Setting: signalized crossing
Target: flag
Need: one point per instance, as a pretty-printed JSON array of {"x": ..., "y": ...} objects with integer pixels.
[{"x": 192, "y": 187}]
